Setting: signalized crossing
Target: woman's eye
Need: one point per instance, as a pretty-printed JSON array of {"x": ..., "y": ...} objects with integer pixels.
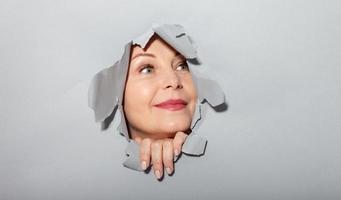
[
  {"x": 147, "y": 69},
  {"x": 182, "y": 66}
]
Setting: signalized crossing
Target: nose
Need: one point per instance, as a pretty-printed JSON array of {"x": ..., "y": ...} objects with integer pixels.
[{"x": 172, "y": 80}]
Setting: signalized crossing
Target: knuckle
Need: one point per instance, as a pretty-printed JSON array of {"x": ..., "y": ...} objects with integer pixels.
[
  {"x": 157, "y": 162},
  {"x": 156, "y": 144},
  {"x": 147, "y": 141},
  {"x": 177, "y": 143},
  {"x": 167, "y": 161},
  {"x": 183, "y": 135},
  {"x": 179, "y": 134},
  {"x": 167, "y": 143}
]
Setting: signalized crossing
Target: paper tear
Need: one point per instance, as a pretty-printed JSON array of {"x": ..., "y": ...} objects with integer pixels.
[
  {"x": 99, "y": 99},
  {"x": 194, "y": 145},
  {"x": 107, "y": 89},
  {"x": 133, "y": 160},
  {"x": 143, "y": 39},
  {"x": 211, "y": 92},
  {"x": 182, "y": 44}
]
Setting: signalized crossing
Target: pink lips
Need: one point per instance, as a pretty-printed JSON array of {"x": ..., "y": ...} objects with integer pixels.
[{"x": 172, "y": 104}]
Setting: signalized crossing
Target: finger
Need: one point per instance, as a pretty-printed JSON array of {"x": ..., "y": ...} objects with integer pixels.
[
  {"x": 167, "y": 155},
  {"x": 138, "y": 140},
  {"x": 156, "y": 150},
  {"x": 179, "y": 139},
  {"x": 145, "y": 153}
]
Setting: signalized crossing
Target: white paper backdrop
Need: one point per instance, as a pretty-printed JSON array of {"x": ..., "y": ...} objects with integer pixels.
[{"x": 277, "y": 61}]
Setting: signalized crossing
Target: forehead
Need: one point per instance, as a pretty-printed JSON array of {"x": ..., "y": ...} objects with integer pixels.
[{"x": 155, "y": 45}]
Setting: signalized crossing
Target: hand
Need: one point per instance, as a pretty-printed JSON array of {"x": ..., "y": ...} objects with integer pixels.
[{"x": 159, "y": 152}]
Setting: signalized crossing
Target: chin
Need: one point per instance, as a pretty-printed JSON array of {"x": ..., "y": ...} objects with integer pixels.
[{"x": 175, "y": 126}]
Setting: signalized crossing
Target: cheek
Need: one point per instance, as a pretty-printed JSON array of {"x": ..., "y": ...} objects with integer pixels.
[
  {"x": 138, "y": 95},
  {"x": 191, "y": 92},
  {"x": 138, "y": 103}
]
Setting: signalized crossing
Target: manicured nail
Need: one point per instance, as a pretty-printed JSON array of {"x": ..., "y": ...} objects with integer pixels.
[
  {"x": 157, "y": 174},
  {"x": 144, "y": 165},
  {"x": 169, "y": 171},
  {"x": 176, "y": 152}
]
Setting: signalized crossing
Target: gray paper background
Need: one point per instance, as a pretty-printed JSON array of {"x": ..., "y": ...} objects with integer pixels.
[{"x": 277, "y": 61}]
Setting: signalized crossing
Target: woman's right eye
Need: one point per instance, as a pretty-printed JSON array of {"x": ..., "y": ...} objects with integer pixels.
[{"x": 147, "y": 69}]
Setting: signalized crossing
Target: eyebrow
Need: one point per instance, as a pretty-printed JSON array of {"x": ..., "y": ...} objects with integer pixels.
[
  {"x": 151, "y": 55},
  {"x": 143, "y": 54},
  {"x": 179, "y": 55}
]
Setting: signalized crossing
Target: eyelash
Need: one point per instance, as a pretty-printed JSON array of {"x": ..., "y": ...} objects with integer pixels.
[
  {"x": 146, "y": 67},
  {"x": 184, "y": 64}
]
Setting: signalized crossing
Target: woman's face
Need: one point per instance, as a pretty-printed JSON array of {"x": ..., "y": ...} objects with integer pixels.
[{"x": 160, "y": 96}]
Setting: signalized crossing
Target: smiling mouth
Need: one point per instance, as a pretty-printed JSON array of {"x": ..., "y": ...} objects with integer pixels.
[{"x": 172, "y": 104}]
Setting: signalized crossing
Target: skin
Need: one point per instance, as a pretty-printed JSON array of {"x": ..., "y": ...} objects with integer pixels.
[{"x": 158, "y": 73}]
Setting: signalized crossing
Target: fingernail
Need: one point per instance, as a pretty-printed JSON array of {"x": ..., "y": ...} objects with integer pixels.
[
  {"x": 144, "y": 165},
  {"x": 169, "y": 171},
  {"x": 176, "y": 152},
  {"x": 157, "y": 174}
]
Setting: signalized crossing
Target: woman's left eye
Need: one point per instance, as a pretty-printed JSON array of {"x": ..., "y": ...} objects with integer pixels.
[{"x": 182, "y": 67}]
